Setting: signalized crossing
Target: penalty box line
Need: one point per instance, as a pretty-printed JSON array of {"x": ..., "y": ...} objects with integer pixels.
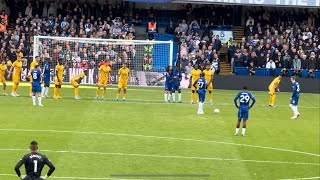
[
  {"x": 168, "y": 156},
  {"x": 163, "y": 137}
]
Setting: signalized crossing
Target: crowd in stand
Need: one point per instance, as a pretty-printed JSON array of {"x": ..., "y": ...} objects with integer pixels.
[
  {"x": 50, "y": 18},
  {"x": 289, "y": 40}
]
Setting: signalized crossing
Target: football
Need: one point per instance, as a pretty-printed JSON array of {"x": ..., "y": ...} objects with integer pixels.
[{"x": 216, "y": 111}]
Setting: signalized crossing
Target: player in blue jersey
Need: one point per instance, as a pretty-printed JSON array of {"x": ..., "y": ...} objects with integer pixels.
[
  {"x": 46, "y": 78},
  {"x": 177, "y": 76},
  {"x": 201, "y": 90},
  {"x": 295, "y": 97},
  {"x": 243, "y": 113},
  {"x": 168, "y": 83},
  {"x": 36, "y": 85}
]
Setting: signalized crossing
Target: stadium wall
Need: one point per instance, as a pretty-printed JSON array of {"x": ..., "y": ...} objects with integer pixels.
[{"x": 258, "y": 83}]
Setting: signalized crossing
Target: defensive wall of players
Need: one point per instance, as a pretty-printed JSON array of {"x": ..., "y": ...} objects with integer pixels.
[{"x": 261, "y": 83}]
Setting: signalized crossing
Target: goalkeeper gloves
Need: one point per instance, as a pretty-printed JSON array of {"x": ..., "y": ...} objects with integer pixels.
[
  {"x": 23, "y": 176},
  {"x": 43, "y": 177}
]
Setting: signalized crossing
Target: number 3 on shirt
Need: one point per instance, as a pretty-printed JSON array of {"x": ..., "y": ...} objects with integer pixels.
[{"x": 244, "y": 99}]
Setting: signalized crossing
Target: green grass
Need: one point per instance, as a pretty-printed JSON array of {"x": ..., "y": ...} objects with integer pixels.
[{"x": 109, "y": 127}]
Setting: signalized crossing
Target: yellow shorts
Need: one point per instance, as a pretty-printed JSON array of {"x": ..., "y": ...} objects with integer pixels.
[
  {"x": 56, "y": 82},
  {"x": 103, "y": 82},
  {"x": 74, "y": 83},
  {"x": 210, "y": 87},
  {"x": 272, "y": 91},
  {"x": 16, "y": 79},
  {"x": 3, "y": 80},
  {"x": 122, "y": 85},
  {"x": 192, "y": 87}
]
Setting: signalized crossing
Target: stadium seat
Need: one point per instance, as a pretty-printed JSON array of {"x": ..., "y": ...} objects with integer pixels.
[{"x": 261, "y": 72}]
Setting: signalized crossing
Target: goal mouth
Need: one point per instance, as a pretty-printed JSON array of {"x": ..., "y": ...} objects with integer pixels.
[{"x": 146, "y": 59}]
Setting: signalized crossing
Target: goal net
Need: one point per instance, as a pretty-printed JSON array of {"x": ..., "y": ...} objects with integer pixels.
[{"x": 147, "y": 60}]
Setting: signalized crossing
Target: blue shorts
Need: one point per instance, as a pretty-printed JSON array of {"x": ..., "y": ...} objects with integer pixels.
[
  {"x": 243, "y": 113},
  {"x": 176, "y": 86},
  {"x": 36, "y": 87},
  {"x": 294, "y": 101},
  {"x": 168, "y": 86},
  {"x": 46, "y": 79},
  {"x": 202, "y": 95}
]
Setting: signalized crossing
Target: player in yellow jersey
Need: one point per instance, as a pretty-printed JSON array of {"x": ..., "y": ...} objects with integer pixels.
[
  {"x": 58, "y": 79},
  {"x": 274, "y": 85},
  {"x": 33, "y": 64},
  {"x": 194, "y": 75},
  {"x": 104, "y": 72},
  {"x": 75, "y": 82},
  {"x": 208, "y": 75},
  {"x": 16, "y": 75},
  {"x": 123, "y": 77},
  {"x": 3, "y": 70}
]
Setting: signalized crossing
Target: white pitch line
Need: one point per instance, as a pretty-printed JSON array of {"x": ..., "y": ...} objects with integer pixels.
[
  {"x": 68, "y": 177},
  {"x": 318, "y": 177},
  {"x": 170, "y": 156},
  {"x": 163, "y": 137}
]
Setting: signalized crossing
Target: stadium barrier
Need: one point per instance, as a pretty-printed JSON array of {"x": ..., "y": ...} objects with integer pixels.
[{"x": 261, "y": 83}]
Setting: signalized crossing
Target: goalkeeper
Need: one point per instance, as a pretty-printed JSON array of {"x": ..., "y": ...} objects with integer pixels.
[{"x": 75, "y": 82}]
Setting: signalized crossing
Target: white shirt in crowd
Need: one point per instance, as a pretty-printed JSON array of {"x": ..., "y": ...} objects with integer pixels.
[{"x": 271, "y": 65}]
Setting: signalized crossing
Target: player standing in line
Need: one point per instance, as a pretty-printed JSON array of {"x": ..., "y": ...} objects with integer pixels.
[
  {"x": 177, "y": 77},
  {"x": 3, "y": 69},
  {"x": 201, "y": 85},
  {"x": 272, "y": 90},
  {"x": 168, "y": 83},
  {"x": 75, "y": 82},
  {"x": 194, "y": 75},
  {"x": 295, "y": 97},
  {"x": 34, "y": 163},
  {"x": 58, "y": 79},
  {"x": 123, "y": 77},
  {"x": 46, "y": 78},
  {"x": 243, "y": 113},
  {"x": 208, "y": 72},
  {"x": 104, "y": 72},
  {"x": 36, "y": 85},
  {"x": 16, "y": 67},
  {"x": 33, "y": 65}
]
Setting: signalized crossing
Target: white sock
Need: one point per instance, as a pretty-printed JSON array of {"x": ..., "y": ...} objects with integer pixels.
[
  {"x": 34, "y": 100},
  {"x": 237, "y": 130},
  {"x": 47, "y": 91},
  {"x": 295, "y": 110},
  {"x": 169, "y": 97},
  {"x": 243, "y": 130},
  {"x": 173, "y": 97},
  {"x": 179, "y": 96},
  {"x": 39, "y": 99},
  {"x": 43, "y": 90},
  {"x": 165, "y": 97}
]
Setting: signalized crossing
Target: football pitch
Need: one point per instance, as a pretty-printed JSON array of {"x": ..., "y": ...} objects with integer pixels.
[{"x": 145, "y": 138}]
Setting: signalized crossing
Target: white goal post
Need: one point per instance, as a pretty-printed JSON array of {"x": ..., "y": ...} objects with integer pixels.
[{"x": 146, "y": 59}]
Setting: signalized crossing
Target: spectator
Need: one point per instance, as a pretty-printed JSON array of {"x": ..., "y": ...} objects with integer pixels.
[
  {"x": 284, "y": 72},
  {"x": 170, "y": 28},
  {"x": 152, "y": 29},
  {"x": 311, "y": 74},
  {"x": 312, "y": 62},
  {"x": 296, "y": 62},
  {"x": 271, "y": 67},
  {"x": 216, "y": 64},
  {"x": 184, "y": 26},
  {"x": 252, "y": 69}
]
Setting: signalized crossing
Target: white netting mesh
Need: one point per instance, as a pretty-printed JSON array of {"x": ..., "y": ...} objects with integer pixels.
[{"x": 146, "y": 59}]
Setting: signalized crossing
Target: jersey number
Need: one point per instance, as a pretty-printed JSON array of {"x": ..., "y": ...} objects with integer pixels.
[
  {"x": 200, "y": 84},
  {"x": 35, "y": 169},
  {"x": 244, "y": 99},
  {"x": 34, "y": 75},
  {"x": 298, "y": 87}
]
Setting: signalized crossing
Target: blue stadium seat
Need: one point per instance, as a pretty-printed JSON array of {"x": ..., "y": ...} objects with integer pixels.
[
  {"x": 290, "y": 72},
  {"x": 304, "y": 73},
  {"x": 317, "y": 74},
  {"x": 277, "y": 71},
  {"x": 261, "y": 72},
  {"x": 243, "y": 71}
]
